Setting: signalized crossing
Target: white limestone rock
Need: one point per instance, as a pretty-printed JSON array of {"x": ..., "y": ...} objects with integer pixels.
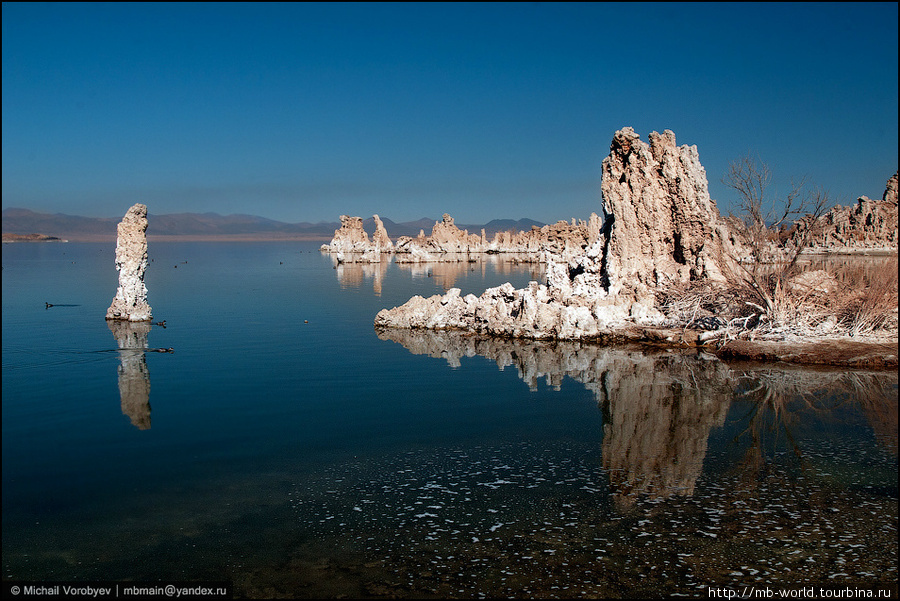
[
  {"x": 130, "y": 302},
  {"x": 666, "y": 228},
  {"x": 351, "y": 243},
  {"x": 870, "y": 224},
  {"x": 349, "y": 238},
  {"x": 661, "y": 228},
  {"x": 381, "y": 240}
]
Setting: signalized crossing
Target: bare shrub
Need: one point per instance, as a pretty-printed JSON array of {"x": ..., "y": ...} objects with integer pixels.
[
  {"x": 766, "y": 226},
  {"x": 774, "y": 232}
]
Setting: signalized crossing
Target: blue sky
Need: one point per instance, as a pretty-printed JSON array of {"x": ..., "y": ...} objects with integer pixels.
[{"x": 303, "y": 112}]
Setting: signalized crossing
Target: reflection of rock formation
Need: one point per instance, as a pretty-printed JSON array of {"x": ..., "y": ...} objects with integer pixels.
[
  {"x": 352, "y": 274},
  {"x": 662, "y": 228},
  {"x": 130, "y": 303},
  {"x": 879, "y": 400},
  {"x": 446, "y": 273},
  {"x": 134, "y": 377},
  {"x": 658, "y": 408}
]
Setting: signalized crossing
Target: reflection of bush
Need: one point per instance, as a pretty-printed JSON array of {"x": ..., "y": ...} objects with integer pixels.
[{"x": 780, "y": 399}]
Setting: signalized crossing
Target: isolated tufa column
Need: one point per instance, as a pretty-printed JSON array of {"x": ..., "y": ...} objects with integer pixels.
[{"x": 130, "y": 303}]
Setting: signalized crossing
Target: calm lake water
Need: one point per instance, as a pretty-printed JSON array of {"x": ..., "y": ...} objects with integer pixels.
[{"x": 287, "y": 447}]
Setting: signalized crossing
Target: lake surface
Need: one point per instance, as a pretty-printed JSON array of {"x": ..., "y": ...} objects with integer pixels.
[{"x": 287, "y": 447}]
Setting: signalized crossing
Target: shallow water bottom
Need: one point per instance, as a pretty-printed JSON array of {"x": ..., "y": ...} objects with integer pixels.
[
  {"x": 514, "y": 520},
  {"x": 513, "y": 523}
]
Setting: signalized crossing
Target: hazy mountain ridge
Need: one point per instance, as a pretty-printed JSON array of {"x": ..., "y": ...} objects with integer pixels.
[{"x": 75, "y": 227}]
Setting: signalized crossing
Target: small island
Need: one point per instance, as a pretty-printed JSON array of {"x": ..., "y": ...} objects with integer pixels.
[
  {"x": 663, "y": 267},
  {"x": 31, "y": 238}
]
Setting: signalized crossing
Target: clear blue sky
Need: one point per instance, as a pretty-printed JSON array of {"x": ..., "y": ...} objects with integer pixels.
[{"x": 302, "y": 112}]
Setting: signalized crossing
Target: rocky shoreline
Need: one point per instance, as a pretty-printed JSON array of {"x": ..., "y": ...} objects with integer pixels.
[
  {"x": 833, "y": 352},
  {"x": 662, "y": 239}
]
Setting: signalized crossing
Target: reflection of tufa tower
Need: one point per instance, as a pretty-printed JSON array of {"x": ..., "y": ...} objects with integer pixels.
[
  {"x": 130, "y": 303},
  {"x": 658, "y": 408},
  {"x": 658, "y": 411},
  {"x": 134, "y": 377}
]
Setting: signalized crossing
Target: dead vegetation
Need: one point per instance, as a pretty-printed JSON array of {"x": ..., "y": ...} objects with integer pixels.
[
  {"x": 868, "y": 305},
  {"x": 770, "y": 293},
  {"x": 766, "y": 228},
  {"x": 858, "y": 301}
]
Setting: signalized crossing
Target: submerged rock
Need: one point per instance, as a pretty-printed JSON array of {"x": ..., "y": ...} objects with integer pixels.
[{"x": 130, "y": 302}]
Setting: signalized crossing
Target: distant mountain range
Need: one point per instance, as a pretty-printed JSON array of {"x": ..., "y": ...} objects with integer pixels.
[{"x": 215, "y": 226}]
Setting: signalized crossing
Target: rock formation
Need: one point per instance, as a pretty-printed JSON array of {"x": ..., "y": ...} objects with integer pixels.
[
  {"x": 563, "y": 239},
  {"x": 445, "y": 239},
  {"x": 449, "y": 244},
  {"x": 661, "y": 228},
  {"x": 351, "y": 242},
  {"x": 380, "y": 239},
  {"x": 890, "y": 190},
  {"x": 350, "y": 237},
  {"x": 665, "y": 228},
  {"x": 130, "y": 303},
  {"x": 870, "y": 224}
]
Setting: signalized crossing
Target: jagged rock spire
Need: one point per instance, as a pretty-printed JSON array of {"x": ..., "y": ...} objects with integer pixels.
[{"x": 130, "y": 302}]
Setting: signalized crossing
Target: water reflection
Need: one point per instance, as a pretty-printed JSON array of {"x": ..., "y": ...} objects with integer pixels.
[
  {"x": 780, "y": 398},
  {"x": 449, "y": 271},
  {"x": 660, "y": 407},
  {"x": 352, "y": 273},
  {"x": 855, "y": 270},
  {"x": 658, "y": 411},
  {"x": 134, "y": 377}
]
